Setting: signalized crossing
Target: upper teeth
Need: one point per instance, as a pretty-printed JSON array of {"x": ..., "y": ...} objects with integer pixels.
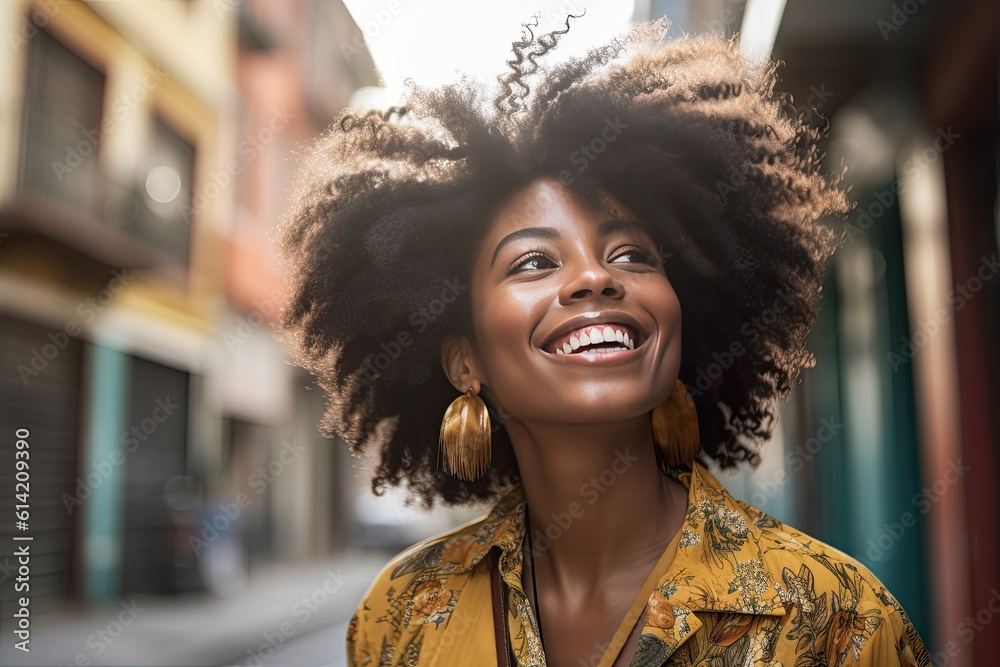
[{"x": 595, "y": 335}]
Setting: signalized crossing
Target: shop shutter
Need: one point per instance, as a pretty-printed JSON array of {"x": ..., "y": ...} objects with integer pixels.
[
  {"x": 47, "y": 404},
  {"x": 150, "y": 551}
]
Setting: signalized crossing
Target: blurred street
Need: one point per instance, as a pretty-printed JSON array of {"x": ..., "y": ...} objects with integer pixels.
[{"x": 284, "y": 617}]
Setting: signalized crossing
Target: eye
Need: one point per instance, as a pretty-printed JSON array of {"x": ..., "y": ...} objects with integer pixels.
[
  {"x": 532, "y": 261},
  {"x": 635, "y": 255}
]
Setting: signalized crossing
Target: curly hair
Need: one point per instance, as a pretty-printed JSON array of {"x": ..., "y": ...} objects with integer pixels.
[{"x": 391, "y": 206}]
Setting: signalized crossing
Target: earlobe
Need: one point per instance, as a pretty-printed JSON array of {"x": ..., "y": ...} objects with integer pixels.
[{"x": 458, "y": 363}]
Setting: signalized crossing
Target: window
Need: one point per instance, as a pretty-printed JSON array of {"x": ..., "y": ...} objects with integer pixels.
[
  {"x": 62, "y": 126},
  {"x": 166, "y": 193}
]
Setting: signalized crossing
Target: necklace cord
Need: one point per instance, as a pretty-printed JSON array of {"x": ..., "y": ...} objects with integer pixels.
[{"x": 534, "y": 578}]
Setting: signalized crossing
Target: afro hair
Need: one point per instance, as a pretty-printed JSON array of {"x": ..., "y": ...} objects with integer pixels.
[{"x": 392, "y": 204}]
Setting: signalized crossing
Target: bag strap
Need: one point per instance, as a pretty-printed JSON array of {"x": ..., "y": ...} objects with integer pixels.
[{"x": 499, "y": 610}]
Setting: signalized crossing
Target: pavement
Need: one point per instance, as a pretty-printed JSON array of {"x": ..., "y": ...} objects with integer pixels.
[
  {"x": 323, "y": 648},
  {"x": 286, "y": 615}
]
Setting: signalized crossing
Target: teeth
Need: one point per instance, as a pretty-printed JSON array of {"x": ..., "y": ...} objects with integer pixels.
[{"x": 594, "y": 336}]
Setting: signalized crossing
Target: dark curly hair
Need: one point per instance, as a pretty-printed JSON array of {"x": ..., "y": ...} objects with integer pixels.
[{"x": 392, "y": 204}]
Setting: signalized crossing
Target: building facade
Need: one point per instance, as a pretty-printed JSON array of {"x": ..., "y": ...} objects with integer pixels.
[{"x": 146, "y": 152}]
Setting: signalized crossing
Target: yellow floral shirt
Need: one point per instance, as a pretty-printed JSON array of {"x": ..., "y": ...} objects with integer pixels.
[{"x": 743, "y": 589}]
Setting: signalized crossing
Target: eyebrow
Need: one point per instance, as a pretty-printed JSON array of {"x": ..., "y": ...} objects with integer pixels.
[{"x": 607, "y": 227}]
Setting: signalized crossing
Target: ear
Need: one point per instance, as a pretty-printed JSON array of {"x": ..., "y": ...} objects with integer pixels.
[{"x": 459, "y": 362}]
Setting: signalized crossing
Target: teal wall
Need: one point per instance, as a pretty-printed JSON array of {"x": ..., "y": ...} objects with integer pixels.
[
  {"x": 106, "y": 393},
  {"x": 860, "y": 493}
]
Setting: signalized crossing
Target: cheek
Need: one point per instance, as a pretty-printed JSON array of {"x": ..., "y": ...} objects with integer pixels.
[
  {"x": 668, "y": 306},
  {"x": 671, "y": 306},
  {"x": 504, "y": 321},
  {"x": 657, "y": 297},
  {"x": 665, "y": 307}
]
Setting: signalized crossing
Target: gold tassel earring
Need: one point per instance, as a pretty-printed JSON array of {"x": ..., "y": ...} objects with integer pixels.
[
  {"x": 675, "y": 427},
  {"x": 466, "y": 436}
]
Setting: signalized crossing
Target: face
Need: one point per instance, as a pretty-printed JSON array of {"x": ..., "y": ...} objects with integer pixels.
[{"x": 574, "y": 318}]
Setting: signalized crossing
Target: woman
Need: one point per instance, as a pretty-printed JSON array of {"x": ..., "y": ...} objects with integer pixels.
[{"x": 521, "y": 268}]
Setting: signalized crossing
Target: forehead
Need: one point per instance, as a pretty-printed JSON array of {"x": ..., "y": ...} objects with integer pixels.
[{"x": 546, "y": 202}]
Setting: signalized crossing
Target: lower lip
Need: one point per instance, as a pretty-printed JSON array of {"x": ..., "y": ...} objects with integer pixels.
[{"x": 597, "y": 358}]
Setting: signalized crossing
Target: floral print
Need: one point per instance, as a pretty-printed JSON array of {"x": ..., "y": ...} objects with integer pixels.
[
  {"x": 660, "y": 611},
  {"x": 427, "y": 598},
  {"x": 743, "y": 590}
]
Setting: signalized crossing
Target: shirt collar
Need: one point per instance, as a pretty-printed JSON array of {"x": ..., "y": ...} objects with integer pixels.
[{"x": 719, "y": 565}]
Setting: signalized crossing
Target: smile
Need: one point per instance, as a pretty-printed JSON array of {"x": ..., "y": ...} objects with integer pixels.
[{"x": 597, "y": 340}]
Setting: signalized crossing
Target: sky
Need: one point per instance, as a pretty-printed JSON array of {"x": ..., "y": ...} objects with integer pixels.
[{"x": 432, "y": 40}]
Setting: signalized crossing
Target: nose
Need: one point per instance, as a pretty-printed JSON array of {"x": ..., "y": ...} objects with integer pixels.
[{"x": 590, "y": 277}]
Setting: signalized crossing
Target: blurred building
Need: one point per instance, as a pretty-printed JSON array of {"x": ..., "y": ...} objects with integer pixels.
[
  {"x": 147, "y": 151},
  {"x": 888, "y": 450}
]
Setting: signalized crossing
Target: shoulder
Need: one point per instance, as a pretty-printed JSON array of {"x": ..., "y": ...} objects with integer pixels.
[
  {"x": 438, "y": 557},
  {"x": 806, "y": 574},
  {"x": 419, "y": 585},
  {"x": 823, "y": 605},
  {"x": 831, "y": 595},
  {"x": 800, "y": 563}
]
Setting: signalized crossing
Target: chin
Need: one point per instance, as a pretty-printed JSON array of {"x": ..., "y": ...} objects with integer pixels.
[{"x": 598, "y": 412}]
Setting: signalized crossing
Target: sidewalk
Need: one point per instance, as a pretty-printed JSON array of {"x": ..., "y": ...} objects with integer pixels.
[
  {"x": 279, "y": 606},
  {"x": 322, "y": 648}
]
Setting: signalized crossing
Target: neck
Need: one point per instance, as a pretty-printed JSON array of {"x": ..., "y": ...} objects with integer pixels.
[{"x": 597, "y": 502}]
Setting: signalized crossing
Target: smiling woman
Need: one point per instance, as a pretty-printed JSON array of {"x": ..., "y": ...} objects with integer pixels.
[{"x": 594, "y": 293}]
